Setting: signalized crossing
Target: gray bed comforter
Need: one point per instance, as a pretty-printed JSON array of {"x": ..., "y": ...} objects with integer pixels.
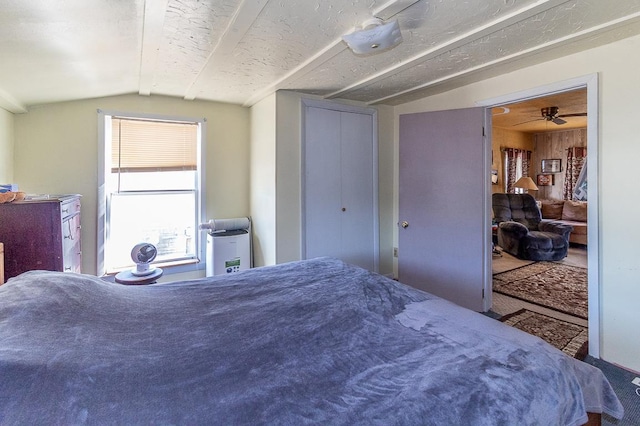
[{"x": 306, "y": 342}]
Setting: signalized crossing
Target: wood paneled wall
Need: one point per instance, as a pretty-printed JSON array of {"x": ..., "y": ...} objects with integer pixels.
[
  {"x": 554, "y": 145},
  {"x": 548, "y": 145},
  {"x": 502, "y": 138}
]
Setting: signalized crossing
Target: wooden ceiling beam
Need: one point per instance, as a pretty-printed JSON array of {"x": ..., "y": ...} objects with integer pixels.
[{"x": 153, "y": 24}]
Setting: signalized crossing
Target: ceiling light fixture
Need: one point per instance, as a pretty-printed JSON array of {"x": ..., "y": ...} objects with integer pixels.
[{"x": 374, "y": 37}]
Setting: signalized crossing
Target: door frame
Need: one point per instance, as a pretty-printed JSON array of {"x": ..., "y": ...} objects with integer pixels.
[
  {"x": 335, "y": 106},
  {"x": 590, "y": 82}
]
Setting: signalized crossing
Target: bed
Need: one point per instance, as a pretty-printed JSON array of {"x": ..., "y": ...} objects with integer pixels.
[{"x": 310, "y": 342}]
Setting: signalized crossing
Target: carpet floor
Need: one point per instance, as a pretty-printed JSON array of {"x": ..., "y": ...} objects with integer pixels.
[
  {"x": 571, "y": 339},
  {"x": 550, "y": 284},
  {"x": 503, "y": 261},
  {"x": 628, "y": 393}
]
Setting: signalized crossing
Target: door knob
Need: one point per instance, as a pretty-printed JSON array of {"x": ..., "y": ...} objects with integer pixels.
[{"x": 404, "y": 224}]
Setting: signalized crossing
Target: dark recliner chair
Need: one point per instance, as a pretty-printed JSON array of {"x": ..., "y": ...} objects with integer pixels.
[{"x": 522, "y": 233}]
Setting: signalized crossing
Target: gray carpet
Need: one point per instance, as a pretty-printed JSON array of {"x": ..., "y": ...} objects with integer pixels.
[{"x": 620, "y": 380}]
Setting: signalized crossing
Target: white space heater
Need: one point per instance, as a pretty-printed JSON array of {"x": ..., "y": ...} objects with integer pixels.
[{"x": 228, "y": 245}]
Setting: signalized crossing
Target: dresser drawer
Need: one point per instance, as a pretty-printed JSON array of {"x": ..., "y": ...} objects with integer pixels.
[
  {"x": 72, "y": 248},
  {"x": 70, "y": 208}
]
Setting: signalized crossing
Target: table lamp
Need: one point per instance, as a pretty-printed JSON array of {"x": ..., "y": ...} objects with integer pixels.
[{"x": 526, "y": 183}]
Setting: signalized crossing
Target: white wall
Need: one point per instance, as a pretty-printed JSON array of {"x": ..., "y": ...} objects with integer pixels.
[
  {"x": 56, "y": 151},
  {"x": 263, "y": 181},
  {"x": 288, "y": 178},
  {"x": 6, "y": 147},
  {"x": 617, "y": 65}
]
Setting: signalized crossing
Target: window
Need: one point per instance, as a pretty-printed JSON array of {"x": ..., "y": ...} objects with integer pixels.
[
  {"x": 516, "y": 165},
  {"x": 149, "y": 189}
]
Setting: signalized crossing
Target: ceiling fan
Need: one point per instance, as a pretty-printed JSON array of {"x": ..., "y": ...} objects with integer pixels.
[{"x": 551, "y": 114}]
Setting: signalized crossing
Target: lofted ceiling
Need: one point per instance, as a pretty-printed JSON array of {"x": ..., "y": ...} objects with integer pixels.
[{"x": 239, "y": 51}]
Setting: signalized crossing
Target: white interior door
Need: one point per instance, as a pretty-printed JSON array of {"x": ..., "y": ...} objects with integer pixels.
[
  {"x": 340, "y": 190},
  {"x": 358, "y": 209},
  {"x": 323, "y": 186},
  {"x": 443, "y": 237}
]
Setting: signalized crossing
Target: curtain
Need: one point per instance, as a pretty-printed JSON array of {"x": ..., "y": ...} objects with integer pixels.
[
  {"x": 517, "y": 162},
  {"x": 526, "y": 161},
  {"x": 575, "y": 182}
]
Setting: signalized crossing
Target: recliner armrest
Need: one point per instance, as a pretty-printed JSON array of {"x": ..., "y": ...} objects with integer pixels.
[
  {"x": 513, "y": 229},
  {"x": 556, "y": 227}
]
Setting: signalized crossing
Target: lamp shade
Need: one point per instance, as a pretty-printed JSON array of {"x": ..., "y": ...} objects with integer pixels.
[
  {"x": 526, "y": 182},
  {"x": 374, "y": 37}
]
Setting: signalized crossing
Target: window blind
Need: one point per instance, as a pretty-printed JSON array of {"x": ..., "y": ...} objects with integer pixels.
[{"x": 145, "y": 145}]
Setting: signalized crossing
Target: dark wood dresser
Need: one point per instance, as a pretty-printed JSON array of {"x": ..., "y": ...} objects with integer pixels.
[{"x": 41, "y": 234}]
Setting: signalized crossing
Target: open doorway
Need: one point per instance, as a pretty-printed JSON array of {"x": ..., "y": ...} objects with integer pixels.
[
  {"x": 542, "y": 146},
  {"x": 520, "y": 122}
]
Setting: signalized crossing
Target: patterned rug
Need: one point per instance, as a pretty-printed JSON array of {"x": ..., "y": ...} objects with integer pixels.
[
  {"x": 553, "y": 285},
  {"x": 569, "y": 338}
]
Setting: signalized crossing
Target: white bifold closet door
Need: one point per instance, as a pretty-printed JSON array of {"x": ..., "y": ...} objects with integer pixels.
[{"x": 340, "y": 190}]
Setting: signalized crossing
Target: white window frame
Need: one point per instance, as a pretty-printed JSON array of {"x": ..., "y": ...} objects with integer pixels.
[{"x": 104, "y": 169}]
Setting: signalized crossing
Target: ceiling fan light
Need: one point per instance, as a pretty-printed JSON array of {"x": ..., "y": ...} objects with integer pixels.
[
  {"x": 549, "y": 113},
  {"x": 375, "y": 37}
]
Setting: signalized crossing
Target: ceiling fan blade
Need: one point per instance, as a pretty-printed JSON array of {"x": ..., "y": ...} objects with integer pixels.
[
  {"x": 525, "y": 122},
  {"x": 558, "y": 121},
  {"x": 580, "y": 114}
]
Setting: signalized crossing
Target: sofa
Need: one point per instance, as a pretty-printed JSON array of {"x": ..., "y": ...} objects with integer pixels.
[
  {"x": 522, "y": 233},
  {"x": 573, "y": 213}
]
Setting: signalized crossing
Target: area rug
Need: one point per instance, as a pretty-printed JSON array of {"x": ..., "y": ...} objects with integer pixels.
[
  {"x": 571, "y": 339},
  {"x": 553, "y": 285}
]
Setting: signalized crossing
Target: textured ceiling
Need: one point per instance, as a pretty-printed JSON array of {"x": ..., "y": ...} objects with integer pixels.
[{"x": 239, "y": 51}]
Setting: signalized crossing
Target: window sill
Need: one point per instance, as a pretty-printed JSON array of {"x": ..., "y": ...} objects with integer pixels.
[{"x": 168, "y": 268}]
